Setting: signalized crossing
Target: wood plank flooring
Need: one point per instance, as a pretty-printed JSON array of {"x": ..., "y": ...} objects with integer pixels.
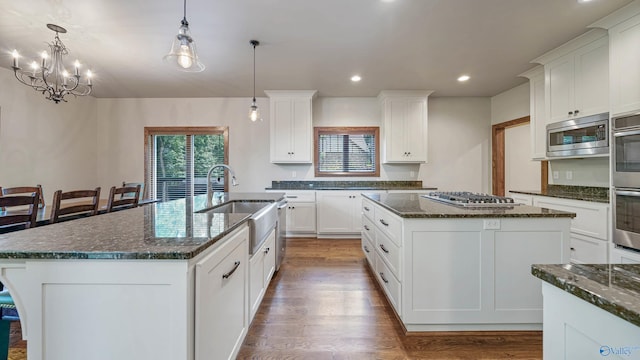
[{"x": 324, "y": 304}]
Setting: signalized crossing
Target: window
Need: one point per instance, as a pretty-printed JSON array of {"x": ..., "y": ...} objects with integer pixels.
[
  {"x": 177, "y": 160},
  {"x": 346, "y": 151}
]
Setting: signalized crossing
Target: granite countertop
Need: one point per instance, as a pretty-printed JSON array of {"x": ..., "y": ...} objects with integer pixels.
[
  {"x": 169, "y": 230},
  {"x": 348, "y": 185},
  {"x": 585, "y": 193},
  {"x": 612, "y": 287},
  {"x": 412, "y": 205}
]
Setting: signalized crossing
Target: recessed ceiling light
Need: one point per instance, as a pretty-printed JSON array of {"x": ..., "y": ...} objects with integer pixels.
[
  {"x": 356, "y": 78},
  {"x": 583, "y": 1},
  {"x": 464, "y": 78}
]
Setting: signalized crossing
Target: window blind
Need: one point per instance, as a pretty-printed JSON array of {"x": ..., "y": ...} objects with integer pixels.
[{"x": 352, "y": 152}]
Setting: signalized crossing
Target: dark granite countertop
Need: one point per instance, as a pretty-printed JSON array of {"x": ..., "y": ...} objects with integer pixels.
[
  {"x": 412, "y": 205},
  {"x": 585, "y": 193},
  {"x": 612, "y": 287},
  {"x": 348, "y": 185},
  {"x": 169, "y": 230}
]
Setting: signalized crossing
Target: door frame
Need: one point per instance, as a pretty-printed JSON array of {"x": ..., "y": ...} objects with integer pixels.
[{"x": 498, "y": 161}]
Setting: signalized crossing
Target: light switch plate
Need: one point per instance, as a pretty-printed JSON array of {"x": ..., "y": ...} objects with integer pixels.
[{"x": 492, "y": 224}]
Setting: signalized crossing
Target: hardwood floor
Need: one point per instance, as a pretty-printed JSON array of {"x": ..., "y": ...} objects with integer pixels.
[{"x": 324, "y": 304}]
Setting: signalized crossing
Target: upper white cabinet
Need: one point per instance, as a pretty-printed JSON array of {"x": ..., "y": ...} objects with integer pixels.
[
  {"x": 404, "y": 129},
  {"x": 577, "y": 77},
  {"x": 624, "y": 57},
  {"x": 291, "y": 126},
  {"x": 537, "y": 113}
]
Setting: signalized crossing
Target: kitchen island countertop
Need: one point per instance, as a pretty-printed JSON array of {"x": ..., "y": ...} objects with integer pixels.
[
  {"x": 412, "y": 205},
  {"x": 169, "y": 230}
]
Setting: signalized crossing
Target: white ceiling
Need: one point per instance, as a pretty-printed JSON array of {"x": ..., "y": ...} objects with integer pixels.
[{"x": 305, "y": 44}]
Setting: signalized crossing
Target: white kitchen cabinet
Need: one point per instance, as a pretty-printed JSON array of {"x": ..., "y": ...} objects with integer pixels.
[
  {"x": 301, "y": 213},
  {"x": 291, "y": 126},
  {"x": 623, "y": 256},
  {"x": 339, "y": 212},
  {"x": 404, "y": 129},
  {"x": 624, "y": 57},
  {"x": 577, "y": 77},
  {"x": 523, "y": 199},
  {"x": 537, "y": 113},
  {"x": 221, "y": 307},
  {"x": 589, "y": 229},
  {"x": 262, "y": 266}
]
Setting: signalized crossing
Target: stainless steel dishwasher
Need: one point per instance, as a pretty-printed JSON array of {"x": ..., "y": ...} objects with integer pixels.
[{"x": 281, "y": 233}]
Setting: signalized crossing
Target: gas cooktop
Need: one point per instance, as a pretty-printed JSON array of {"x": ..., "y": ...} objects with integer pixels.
[{"x": 471, "y": 200}]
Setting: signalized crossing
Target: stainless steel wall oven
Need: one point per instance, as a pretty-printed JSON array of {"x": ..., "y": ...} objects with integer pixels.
[
  {"x": 626, "y": 151},
  {"x": 626, "y": 217}
]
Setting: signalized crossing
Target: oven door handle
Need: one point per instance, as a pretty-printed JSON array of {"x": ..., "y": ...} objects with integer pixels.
[
  {"x": 631, "y": 131},
  {"x": 628, "y": 193}
]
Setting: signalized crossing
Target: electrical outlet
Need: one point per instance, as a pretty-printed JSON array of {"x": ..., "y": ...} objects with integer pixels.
[
  {"x": 569, "y": 175},
  {"x": 556, "y": 175},
  {"x": 293, "y": 174},
  {"x": 492, "y": 224}
]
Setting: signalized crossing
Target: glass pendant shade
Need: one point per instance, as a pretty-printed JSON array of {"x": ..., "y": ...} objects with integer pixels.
[
  {"x": 183, "y": 53},
  {"x": 254, "y": 113}
]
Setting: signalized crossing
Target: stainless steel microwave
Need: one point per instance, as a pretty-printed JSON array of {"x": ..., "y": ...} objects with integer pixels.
[
  {"x": 581, "y": 137},
  {"x": 626, "y": 151}
]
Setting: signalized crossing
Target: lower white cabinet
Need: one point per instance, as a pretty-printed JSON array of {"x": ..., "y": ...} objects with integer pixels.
[
  {"x": 262, "y": 266},
  {"x": 338, "y": 212},
  {"x": 301, "y": 213},
  {"x": 623, "y": 256},
  {"x": 221, "y": 316}
]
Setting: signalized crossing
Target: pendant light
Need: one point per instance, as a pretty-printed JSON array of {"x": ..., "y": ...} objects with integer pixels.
[
  {"x": 254, "y": 113},
  {"x": 183, "y": 50}
]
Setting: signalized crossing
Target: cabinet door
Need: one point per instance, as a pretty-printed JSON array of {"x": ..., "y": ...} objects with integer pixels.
[
  {"x": 338, "y": 212},
  {"x": 538, "y": 116},
  {"x": 221, "y": 300},
  {"x": 560, "y": 87},
  {"x": 625, "y": 72},
  {"x": 592, "y": 78},
  {"x": 415, "y": 129},
  {"x": 256, "y": 282},
  {"x": 301, "y": 132},
  {"x": 281, "y": 120},
  {"x": 394, "y": 130},
  {"x": 269, "y": 251},
  {"x": 588, "y": 250},
  {"x": 301, "y": 218}
]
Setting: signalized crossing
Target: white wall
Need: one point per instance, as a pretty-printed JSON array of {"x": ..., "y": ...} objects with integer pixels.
[
  {"x": 46, "y": 143},
  {"x": 520, "y": 172},
  {"x": 584, "y": 172},
  {"x": 510, "y": 105},
  {"x": 459, "y": 144}
]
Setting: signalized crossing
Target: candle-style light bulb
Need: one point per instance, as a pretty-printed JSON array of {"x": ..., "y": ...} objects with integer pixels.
[
  {"x": 44, "y": 59},
  {"x": 16, "y": 56},
  {"x": 77, "y": 66},
  {"x": 34, "y": 68},
  {"x": 89, "y": 75},
  {"x": 65, "y": 75}
]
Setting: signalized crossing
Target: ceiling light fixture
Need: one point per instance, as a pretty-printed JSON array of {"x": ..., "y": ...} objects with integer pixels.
[
  {"x": 50, "y": 77},
  {"x": 356, "y": 78},
  {"x": 464, "y": 78},
  {"x": 183, "y": 49},
  {"x": 254, "y": 113}
]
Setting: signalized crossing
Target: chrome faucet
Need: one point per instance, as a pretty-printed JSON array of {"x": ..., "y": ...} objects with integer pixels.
[{"x": 234, "y": 182}]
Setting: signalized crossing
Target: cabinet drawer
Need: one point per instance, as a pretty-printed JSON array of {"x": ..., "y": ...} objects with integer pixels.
[
  {"x": 586, "y": 250},
  {"x": 368, "y": 249},
  {"x": 368, "y": 228},
  {"x": 367, "y": 209},
  {"x": 389, "y": 224},
  {"x": 390, "y": 284},
  {"x": 389, "y": 252},
  {"x": 592, "y": 219},
  {"x": 300, "y": 196}
]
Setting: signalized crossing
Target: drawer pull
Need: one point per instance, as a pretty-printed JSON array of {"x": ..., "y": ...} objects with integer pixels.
[
  {"x": 383, "y": 278},
  {"x": 366, "y": 209},
  {"x": 366, "y": 249},
  {"x": 384, "y": 248},
  {"x": 384, "y": 222},
  {"x": 291, "y": 196},
  {"x": 366, "y": 228},
  {"x": 235, "y": 267},
  {"x": 266, "y": 250},
  {"x": 572, "y": 249}
]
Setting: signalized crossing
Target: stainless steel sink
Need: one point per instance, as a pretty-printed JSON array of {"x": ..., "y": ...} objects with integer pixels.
[{"x": 263, "y": 219}]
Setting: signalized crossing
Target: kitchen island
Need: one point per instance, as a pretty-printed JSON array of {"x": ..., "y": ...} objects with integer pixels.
[
  {"x": 591, "y": 311},
  {"x": 162, "y": 281},
  {"x": 448, "y": 268}
]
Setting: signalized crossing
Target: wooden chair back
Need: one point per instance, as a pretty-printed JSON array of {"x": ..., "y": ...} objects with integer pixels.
[
  {"x": 24, "y": 190},
  {"x": 132, "y": 185},
  {"x": 117, "y": 200},
  {"x": 88, "y": 202},
  {"x": 26, "y": 217}
]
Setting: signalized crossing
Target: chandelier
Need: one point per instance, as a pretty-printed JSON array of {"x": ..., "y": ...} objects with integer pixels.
[{"x": 50, "y": 76}]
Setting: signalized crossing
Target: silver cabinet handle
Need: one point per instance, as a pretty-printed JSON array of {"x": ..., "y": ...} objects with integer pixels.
[
  {"x": 384, "y": 248},
  {"x": 383, "y": 278},
  {"x": 384, "y": 222},
  {"x": 291, "y": 196},
  {"x": 235, "y": 267}
]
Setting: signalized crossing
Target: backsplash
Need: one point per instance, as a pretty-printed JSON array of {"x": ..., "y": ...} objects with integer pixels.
[{"x": 310, "y": 185}]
